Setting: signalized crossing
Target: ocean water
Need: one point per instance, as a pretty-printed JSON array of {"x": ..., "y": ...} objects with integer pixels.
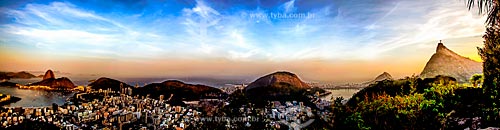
[
  {"x": 35, "y": 98},
  {"x": 346, "y": 93}
]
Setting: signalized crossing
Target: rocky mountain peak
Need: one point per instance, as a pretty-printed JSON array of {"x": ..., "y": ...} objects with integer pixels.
[
  {"x": 441, "y": 49},
  {"x": 448, "y": 63},
  {"x": 383, "y": 76},
  {"x": 49, "y": 74}
]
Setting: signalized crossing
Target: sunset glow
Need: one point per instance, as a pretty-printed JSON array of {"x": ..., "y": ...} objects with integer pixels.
[{"x": 321, "y": 40}]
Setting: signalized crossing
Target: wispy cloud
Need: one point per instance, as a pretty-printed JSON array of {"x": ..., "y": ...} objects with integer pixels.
[
  {"x": 220, "y": 35},
  {"x": 203, "y": 29},
  {"x": 399, "y": 25},
  {"x": 289, "y": 6},
  {"x": 442, "y": 20},
  {"x": 66, "y": 28}
]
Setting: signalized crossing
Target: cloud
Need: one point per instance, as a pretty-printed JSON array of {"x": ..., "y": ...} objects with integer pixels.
[
  {"x": 289, "y": 6},
  {"x": 202, "y": 10},
  {"x": 57, "y": 14},
  {"x": 374, "y": 24},
  {"x": 69, "y": 29},
  {"x": 217, "y": 34},
  {"x": 339, "y": 30},
  {"x": 242, "y": 56},
  {"x": 445, "y": 20},
  {"x": 199, "y": 21},
  {"x": 384, "y": 29}
]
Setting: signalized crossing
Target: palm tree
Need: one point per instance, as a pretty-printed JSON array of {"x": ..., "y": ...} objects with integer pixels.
[{"x": 489, "y": 7}]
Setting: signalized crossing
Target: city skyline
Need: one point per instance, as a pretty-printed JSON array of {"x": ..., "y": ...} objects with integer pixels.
[{"x": 322, "y": 40}]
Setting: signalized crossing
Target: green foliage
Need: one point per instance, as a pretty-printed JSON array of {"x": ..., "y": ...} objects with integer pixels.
[
  {"x": 387, "y": 106},
  {"x": 433, "y": 103},
  {"x": 490, "y": 54},
  {"x": 476, "y": 80},
  {"x": 355, "y": 121},
  {"x": 389, "y": 87}
]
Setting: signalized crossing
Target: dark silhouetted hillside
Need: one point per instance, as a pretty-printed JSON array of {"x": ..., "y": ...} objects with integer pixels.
[
  {"x": 277, "y": 86},
  {"x": 180, "y": 90},
  {"x": 16, "y": 75},
  {"x": 105, "y": 83}
]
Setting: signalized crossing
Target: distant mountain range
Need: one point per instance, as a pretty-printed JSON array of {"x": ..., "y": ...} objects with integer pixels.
[
  {"x": 178, "y": 90},
  {"x": 26, "y": 74},
  {"x": 443, "y": 62},
  {"x": 448, "y": 63},
  {"x": 16, "y": 75},
  {"x": 8, "y": 84},
  {"x": 381, "y": 77}
]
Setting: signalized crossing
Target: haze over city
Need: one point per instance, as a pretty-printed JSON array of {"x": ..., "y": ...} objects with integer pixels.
[{"x": 321, "y": 40}]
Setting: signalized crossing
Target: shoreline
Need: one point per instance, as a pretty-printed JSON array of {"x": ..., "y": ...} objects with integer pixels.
[
  {"x": 6, "y": 99},
  {"x": 325, "y": 93},
  {"x": 35, "y": 97},
  {"x": 47, "y": 88}
]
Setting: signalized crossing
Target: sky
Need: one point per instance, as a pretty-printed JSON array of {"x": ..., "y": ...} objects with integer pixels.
[{"x": 320, "y": 40}]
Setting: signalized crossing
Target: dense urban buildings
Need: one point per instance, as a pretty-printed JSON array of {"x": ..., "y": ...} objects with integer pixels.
[{"x": 107, "y": 109}]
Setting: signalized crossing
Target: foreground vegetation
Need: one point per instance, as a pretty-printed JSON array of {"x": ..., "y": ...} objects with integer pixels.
[
  {"x": 413, "y": 103},
  {"x": 490, "y": 54}
]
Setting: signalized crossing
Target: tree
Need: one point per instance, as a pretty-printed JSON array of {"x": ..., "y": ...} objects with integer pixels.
[
  {"x": 490, "y": 54},
  {"x": 488, "y": 7},
  {"x": 476, "y": 80}
]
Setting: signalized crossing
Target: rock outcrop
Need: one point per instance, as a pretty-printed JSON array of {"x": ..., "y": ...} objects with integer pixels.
[
  {"x": 49, "y": 74},
  {"x": 49, "y": 80},
  {"x": 448, "y": 63}
]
